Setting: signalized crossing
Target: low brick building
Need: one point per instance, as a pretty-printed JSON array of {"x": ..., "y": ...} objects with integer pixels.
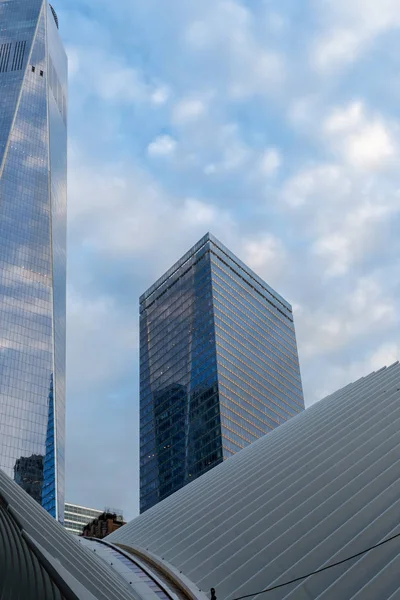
[{"x": 103, "y": 525}]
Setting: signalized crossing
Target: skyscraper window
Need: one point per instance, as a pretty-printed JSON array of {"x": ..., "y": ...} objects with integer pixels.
[
  {"x": 218, "y": 367},
  {"x": 33, "y": 162}
]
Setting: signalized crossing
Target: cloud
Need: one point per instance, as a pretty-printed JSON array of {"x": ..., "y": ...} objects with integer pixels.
[
  {"x": 226, "y": 118},
  {"x": 104, "y": 74},
  {"x": 384, "y": 355},
  {"x": 225, "y": 33},
  {"x": 195, "y": 212},
  {"x": 310, "y": 184},
  {"x": 364, "y": 141},
  {"x": 351, "y": 28},
  {"x": 265, "y": 255},
  {"x": 358, "y": 233},
  {"x": 362, "y": 311},
  {"x": 103, "y": 335},
  {"x": 163, "y": 145},
  {"x": 130, "y": 214},
  {"x": 231, "y": 152},
  {"x": 270, "y": 161},
  {"x": 188, "y": 109},
  {"x": 160, "y": 95}
]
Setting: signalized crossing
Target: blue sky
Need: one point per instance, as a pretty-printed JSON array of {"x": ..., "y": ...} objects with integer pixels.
[{"x": 275, "y": 126}]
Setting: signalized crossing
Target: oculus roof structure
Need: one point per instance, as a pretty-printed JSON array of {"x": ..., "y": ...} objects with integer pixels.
[
  {"x": 40, "y": 560},
  {"x": 316, "y": 490}
]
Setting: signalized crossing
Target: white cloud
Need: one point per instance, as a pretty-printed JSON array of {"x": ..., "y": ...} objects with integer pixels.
[
  {"x": 351, "y": 27},
  {"x": 312, "y": 184},
  {"x": 198, "y": 213},
  {"x": 338, "y": 376},
  {"x": 323, "y": 233},
  {"x": 364, "y": 141},
  {"x": 225, "y": 32},
  {"x": 89, "y": 320},
  {"x": 364, "y": 310},
  {"x": 162, "y": 145},
  {"x": 98, "y": 72},
  {"x": 371, "y": 147},
  {"x": 337, "y": 47},
  {"x": 98, "y": 323},
  {"x": 188, "y": 110},
  {"x": 336, "y": 248},
  {"x": 265, "y": 254},
  {"x": 357, "y": 234},
  {"x": 270, "y": 161},
  {"x": 224, "y": 145},
  {"x": 130, "y": 214},
  {"x": 385, "y": 355},
  {"x": 235, "y": 155},
  {"x": 160, "y": 95}
]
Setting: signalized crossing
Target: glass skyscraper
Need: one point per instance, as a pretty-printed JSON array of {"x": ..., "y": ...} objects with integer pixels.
[
  {"x": 218, "y": 367},
  {"x": 33, "y": 164}
]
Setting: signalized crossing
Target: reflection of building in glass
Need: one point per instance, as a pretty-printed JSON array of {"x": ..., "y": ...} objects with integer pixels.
[
  {"x": 76, "y": 517},
  {"x": 33, "y": 88},
  {"x": 170, "y": 416},
  {"x": 218, "y": 367},
  {"x": 49, "y": 464},
  {"x": 28, "y": 473}
]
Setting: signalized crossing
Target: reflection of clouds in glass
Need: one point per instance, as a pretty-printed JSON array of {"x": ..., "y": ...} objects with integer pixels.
[
  {"x": 14, "y": 274},
  {"x": 35, "y": 162},
  {"x": 31, "y": 342}
]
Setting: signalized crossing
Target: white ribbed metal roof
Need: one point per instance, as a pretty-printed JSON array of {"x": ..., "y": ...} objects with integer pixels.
[
  {"x": 321, "y": 487},
  {"x": 39, "y": 559}
]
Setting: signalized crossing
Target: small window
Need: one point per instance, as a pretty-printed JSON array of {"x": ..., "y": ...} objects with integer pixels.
[
  {"x": 41, "y": 73},
  {"x": 33, "y": 69}
]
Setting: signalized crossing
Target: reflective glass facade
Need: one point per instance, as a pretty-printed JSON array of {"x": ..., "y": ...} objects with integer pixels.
[
  {"x": 33, "y": 155},
  {"x": 218, "y": 367}
]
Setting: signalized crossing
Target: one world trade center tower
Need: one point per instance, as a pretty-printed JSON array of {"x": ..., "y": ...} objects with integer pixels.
[{"x": 33, "y": 168}]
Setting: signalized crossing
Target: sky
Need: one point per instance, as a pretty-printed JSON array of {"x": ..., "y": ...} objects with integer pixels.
[{"x": 274, "y": 125}]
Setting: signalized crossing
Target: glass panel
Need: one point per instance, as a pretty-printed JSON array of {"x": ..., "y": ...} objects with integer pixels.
[
  {"x": 32, "y": 253},
  {"x": 218, "y": 367}
]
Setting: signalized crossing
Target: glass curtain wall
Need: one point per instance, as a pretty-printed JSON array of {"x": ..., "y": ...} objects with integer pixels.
[
  {"x": 33, "y": 91},
  {"x": 218, "y": 367}
]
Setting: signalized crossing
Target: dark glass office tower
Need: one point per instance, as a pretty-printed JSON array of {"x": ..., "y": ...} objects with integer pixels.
[
  {"x": 33, "y": 162},
  {"x": 218, "y": 367}
]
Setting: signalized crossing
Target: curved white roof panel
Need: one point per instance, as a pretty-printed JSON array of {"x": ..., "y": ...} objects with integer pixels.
[
  {"x": 40, "y": 560},
  {"x": 321, "y": 487}
]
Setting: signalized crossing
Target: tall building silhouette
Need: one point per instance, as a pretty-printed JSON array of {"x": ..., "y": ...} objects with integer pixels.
[
  {"x": 218, "y": 367},
  {"x": 33, "y": 164}
]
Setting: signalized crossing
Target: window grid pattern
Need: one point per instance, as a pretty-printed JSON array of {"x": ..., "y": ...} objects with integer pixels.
[
  {"x": 218, "y": 368},
  {"x": 32, "y": 257},
  {"x": 180, "y": 425},
  {"x": 256, "y": 393},
  {"x": 5, "y": 51},
  {"x": 76, "y": 517},
  {"x": 19, "y": 53}
]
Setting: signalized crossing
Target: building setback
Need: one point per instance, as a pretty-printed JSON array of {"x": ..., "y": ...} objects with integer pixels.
[
  {"x": 218, "y": 367},
  {"x": 33, "y": 155}
]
